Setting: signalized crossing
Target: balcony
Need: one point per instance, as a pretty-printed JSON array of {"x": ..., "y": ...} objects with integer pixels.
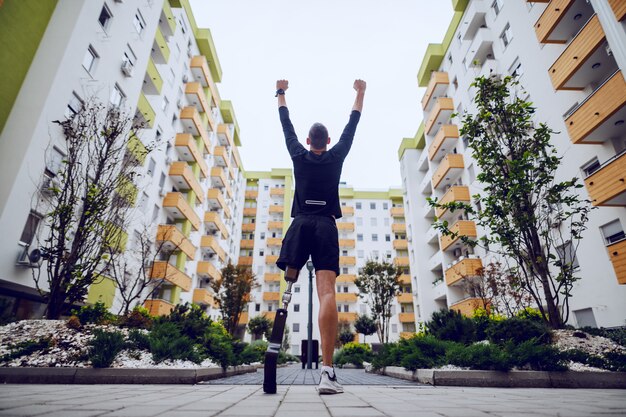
[
  {"x": 456, "y": 194},
  {"x": 405, "y": 279},
  {"x": 444, "y": 141},
  {"x": 463, "y": 228},
  {"x": 406, "y": 335},
  {"x": 561, "y": 20},
  {"x": 160, "y": 50},
  {"x": 246, "y": 244},
  {"x": 248, "y": 227},
  {"x": 619, "y": 9},
  {"x": 136, "y": 149},
  {"x": 167, "y": 21},
  {"x": 203, "y": 297},
  {"x": 215, "y": 199},
  {"x": 274, "y": 225},
  {"x": 347, "y": 243},
  {"x": 251, "y": 194},
  {"x": 437, "y": 87},
  {"x": 195, "y": 95},
  {"x": 245, "y": 260},
  {"x": 468, "y": 306},
  {"x": 274, "y": 241},
  {"x": 213, "y": 223},
  {"x": 432, "y": 235},
  {"x": 152, "y": 81},
  {"x": 345, "y": 226},
  {"x": 145, "y": 113},
  {"x": 271, "y": 277},
  {"x": 220, "y": 156},
  {"x": 207, "y": 270},
  {"x": 271, "y": 315},
  {"x": 158, "y": 307},
  {"x": 170, "y": 239},
  {"x": 397, "y": 212},
  {"x": 200, "y": 70},
  {"x": 277, "y": 209},
  {"x": 277, "y": 191},
  {"x": 347, "y": 211},
  {"x": 400, "y": 244},
  {"x": 225, "y": 134},
  {"x": 164, "y": 271},
  {"x": 184, "y": 179},
  {"x": 218, "y": 179},
  {"x": 249, "y": 212},
  {"x": 210, "y": 245},
  {"x": 188, "y": 151},
  {"x": 406, "y": 317},
  {"x": 607, "y": 186},
  {"x": 347, "y": 260},
  {"x": 435, "y": 261},
  {"x": 405, "y": 297},
  {"x": 271, "y": 259},
  {"x": 617, "y": 253},
  {"x": 449, "y": 170},
  {"x": 271, "y": 296},
  {"x": 601, "y": 116},
  {"x": 243, "y": 318},
  {"x": 398, "y": 227},
  {"x": 428, "y": 212},
  {"x": 440, "y": 114},
  {"x": 346, "y": 316},
  {"x": 346, "y": 278},
  {"x": 176, "y": 205},
  {"x": 481, "y": 48},
  {"x": 401, "y": 261},
  {"x": 346, "y": 297},
  {"x": 425, "y": 186},
  {"x": 467, "y": 267},
  {"x": 190, "y": 119}
]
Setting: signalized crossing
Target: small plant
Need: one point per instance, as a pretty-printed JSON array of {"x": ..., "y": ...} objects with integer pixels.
[
  {"x": 218, "y": 345},
  {"x": 346, "y": 336},
  {"x": 25, "y": 348},
  {"x": 138, "y": 340},
  {"x": 354, "y": 353},
  {"x": 190, "y": 319},
  {"x": 167, "y": 342},
  {"x": 104, "y": 347},
  {"x": 451, "y": 325},
  {"x": 97, "y": 314},
  {"x": 254, "y": 352},
  {"x": 139, "y": 318},
  {"x": 73, "y": 323}
]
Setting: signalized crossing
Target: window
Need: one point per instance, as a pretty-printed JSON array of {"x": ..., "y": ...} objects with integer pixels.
[
  {"x": 497, "y": 6},
  {"x": 344, "y": 270},
  {"x": 358, "y": 206},
  {"x": 373, "y": 221},
  {"x": 344, "y": 252},
  {"x": 117, "y": 96},
  {"x": 151, "y": 166},
  {"x": 472, "y": 173},
  {"x": 450, "y": 59},
  {"x": 385, "y": 206},
  {"x": 296, "y": 308},
  {"x": 567, "y": 255},
  {"x": 155, "y": 213},
  {"x": 296, "y": 288},
  {"x": 386, "y": 221},
  {"x": 375, "y": 254},
  {"x": 374, "y": 237},
  {"x": 54, "y": 162},
  {"x": 612, "y": 232},
  {"x": 387, "y": 238},
  {"x": 89, "y": 61},
  {"x": 129, "y": 56},
  {"x": 359, "y": 237},
  {"x": 516, "y": 69},
  {"x": 138, "y": 22},
  {"x": 591, "y": 167},
  {"x": 346, "y": 308},
  {"x": 143, "y": 203},
  {"x": 105, "y": 17},
  {"x": 359, "y": 221},
  {"x": 257, "y": 307},
  {"x": 165, "y": 103},
  {"x": 372, "y": 206},
  {"x": 261, "y": 252},
  {"x": 506, "y": 36},
  {"x": 74, "y": 106},
  {"x": 360, "y": 253},
  {"x": 30, "y": 228}
]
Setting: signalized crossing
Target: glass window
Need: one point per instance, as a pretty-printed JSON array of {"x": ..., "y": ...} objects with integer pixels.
[
  {"x": 374, "y": 221},
  {"x": 30, "y": 228},
  {"x": 257, "y": 307},
  {"x": 296, "y": 288},
  {"x": 54, "y": 162},
  {"x": 117, "y": 96},
  {"x": 373, "y": 206},
  {"x": 386, "y": 221},
  {"x": 151, "y": 166},
  {"x": 359, "y": 221},
  {"x": 567, "y": 255},
  {"x": 359, "y": 237},
  {"x": 296, "y": 308},
  {"x": 506, "y": 36},
  {"x": 497, "y": 6},
  {"x": 74, "y": 106},
  {"x": 387, "y": 238},
  {"x": 385, "y": 206},
  {"x": 360, "y": 253},
  {"x": 129, "y": 56},
  {"x": 105, "y": 17},
  {"x": 358, "y": 206},
  {"x": 89, "y": 61},
  {"x": 139, "y": 22},
  {"x": 374, "y": 237}
]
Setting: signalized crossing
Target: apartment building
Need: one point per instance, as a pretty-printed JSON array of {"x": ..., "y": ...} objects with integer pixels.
[
  {"x": 570, "y": 58},
  {"x": 149, "y": 58},
  {"x": 372, "y": 227}
]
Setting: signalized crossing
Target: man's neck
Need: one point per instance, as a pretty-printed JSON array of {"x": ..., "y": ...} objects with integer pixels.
[{"x": 317, "y": 151}]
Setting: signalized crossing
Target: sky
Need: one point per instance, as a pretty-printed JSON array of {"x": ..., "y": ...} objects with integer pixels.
[{"x": 321, "y": 47}]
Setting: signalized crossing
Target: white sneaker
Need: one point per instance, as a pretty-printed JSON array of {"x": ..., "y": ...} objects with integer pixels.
[{"x": 329, "y": 385}]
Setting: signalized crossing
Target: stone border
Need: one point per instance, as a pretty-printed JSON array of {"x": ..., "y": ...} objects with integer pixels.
[
  {"x": 511, "y": 379},
  {"x": 117, "y": 375}
]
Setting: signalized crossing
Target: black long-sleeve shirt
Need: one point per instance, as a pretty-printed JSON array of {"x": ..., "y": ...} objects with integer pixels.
[{"x": 317, "y": 176}]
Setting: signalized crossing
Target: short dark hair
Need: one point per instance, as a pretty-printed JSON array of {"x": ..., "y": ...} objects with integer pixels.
[{"x": 318, "y": 135}]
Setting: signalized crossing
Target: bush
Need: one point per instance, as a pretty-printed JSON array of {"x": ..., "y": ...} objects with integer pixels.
[
  {"x": 139, "y": 318},
  {"x": 518, "y": 330},
  {"x": 479, "y": 356},
  {"x": 73, "y": 323},
  {"x": 615, "y": 361},
  {"x": 536, "y": 355},
  {"x": 451, "y": 325},
  {"x": 580, "y": 356},
  {"x": 218, "y": 345},
  {"x": 531, "y": 314},
  {"x": 254, "y": 352},
  {"x": 190, "y": 319},
  {"x": 167, "y": 342},
  {"x": 346, "y": 336},
  {"x": 284, "y": 357},
  {"x": 354, "y": 353},
  {"x": 618, "y": 335},
  {"x": 97, "y": 314},
  {"x": 25, "y": 348},
  {"x": 138, "y": 340},
  {"x": 104, "y": 347}
]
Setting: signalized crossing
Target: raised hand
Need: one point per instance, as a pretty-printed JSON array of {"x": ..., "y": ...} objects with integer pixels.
[
  {"x": 360, "y": 85},
  {"x": 284, "y": 84}
]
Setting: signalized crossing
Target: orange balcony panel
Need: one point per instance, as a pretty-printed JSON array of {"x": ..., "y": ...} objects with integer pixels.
[
  {"x": 214, "y": 223},
  {"x": 463, "y": 228},
  {"x": 607, "y": 186},
  {"x": 280, "y": 191},
  {"x": 549, "y": 20},
  {"x": 171, "y": 274},
  {"x": 225, "y": 134},
  {"x": 405, "y": 297},
  {"x": 619, "y": 8},
  {"x": 406, "y": 335},
  {"x": 188, "y": 151},
  {"x": 243, "y": 318},
  {"x": 617, "y": 253},
  {"x": 271, "y": 259},
  {"x": 347, "y": 316},
  {"x": 271, "y": 296},
  {"x": 346, "y": 297},
  {"x": 202, "y": 296},
  {"x": 465, "y": 268},
  {"x": 468, "y": 306},
  {"x": 437, "y": 86},
  {"x": 271, "y": 315},
  {"x": 206, "y": 269},
  {"x": 400, "y": 244},
  {"x": 182, "y": 175},
  {"x": 347, "y": 211},
  {"x": 248, "y": 227},
  {"x": 406, "y": 317},
  {"x": 401, "y": 261},
  {"x": 398, "y": 227},
  {"x": 347, "y": 278},
  {"x": 397, "y": 212},
  {"x": 347, "y": 260},
  {"x": 440, "y": 114},
  {"x": 158, "y": 307},
  {"x": 247, "y": 244},
  {"x": 277, "y": 209},
  {"x": 445, "y": 140},
  {"x": 195, "y": 95},
  {"x": 345, "y": 226},
  {"x": 347, "y": 243},
  {"x": 405, "y": 279},
  {"x": 209, "y": 244},
  {"x": 245, "y": 260},
  {"x": 271, "y": 277},
  {"x": 274, "y": 225},
  {"x": 598, "y": 118},
  {"x": 218, "y": 179},
  {"x": 252, "y": 194},
  {"x": 220, "y": 156},
  {"x": 200, "y": 70},
  {"x": 458, "y": 193},
  {"x": 178, "y": 208},
  {"x": 450, "y": 168},
  {"x": 249, "y": 212},
  {"x": 215, "y": 199},
  {"x": 274, "y": 241},
  {"x": 170, "y": 238},
  {"x": 192, "y": 123}
]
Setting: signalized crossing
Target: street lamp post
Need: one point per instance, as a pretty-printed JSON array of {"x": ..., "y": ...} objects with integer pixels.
[{"x": 309, "y": 345}]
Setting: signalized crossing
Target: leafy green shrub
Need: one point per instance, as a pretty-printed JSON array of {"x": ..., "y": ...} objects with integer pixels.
[
  {"x": 530, "y": 313},
  {"x": 421, "y": 352},
  {"x": 536, "y": 355},
  {"x": 580, "y": 356},
  {"x": 167, "y": 342},
  {"x": 518, "y": 330},
  {"x": 354, "y": 353},
  {"x": 138, "y": 318},
  {"x": 284, "y": 357},
  {"x": 25, "y": 348},
  {"x": 387, "y": 356},
  {"x": 479, "y": 356},
  {"x": 97, "y": 313},
  {"x": 451, "y": 325},
  {"x": 615, "y": 361},
  {"x": 190, "y": 319},
  {"x": 138, "y": 340},
  {"x": 346, "y": 336},
  {"x": 618, "y": 335},
  {"x": 254, "y": 352},
  {"x": 218, "y": 345},
  {"x": 260, "y": 325},
  {"x": 104, "y": 347}
]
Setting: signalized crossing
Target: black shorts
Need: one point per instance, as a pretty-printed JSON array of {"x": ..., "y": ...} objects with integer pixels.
[{"x": 314, "y": 236}]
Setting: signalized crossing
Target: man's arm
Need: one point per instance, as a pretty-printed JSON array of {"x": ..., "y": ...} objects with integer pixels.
[
  {"x": 345, "y": 141},
  {"x": 359, "y": 86},
  {"x": 294, "y": 147}
]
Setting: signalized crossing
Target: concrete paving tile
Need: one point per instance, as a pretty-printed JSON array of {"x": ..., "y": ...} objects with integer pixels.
[
  {"x": 302, "y": 407},
  {"x": 354, "y": 411},
  {"x": 324, "y": 413},
  {"x": 73, "y": 413},
  {"x": 32, "y": 410},
  {"x": 247, "y": 411},
  {"x": 205, "y": 406},
  {"x": 137, "y": 411}
]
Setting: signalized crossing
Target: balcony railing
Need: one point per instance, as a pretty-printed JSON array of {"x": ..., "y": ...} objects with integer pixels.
[
  {"x": 617, "y": 253},
  {"x": 468, "y": 306},
  {"x": 171, "y": 238},
  {"x": 607, "y": 185},
  {"x": 464, "y": 268},
  {"x": 179, "y": 208},
  {"x": 170, "y": 273},
  {"x": 461, "y": 228},
  {"x": 437, "y": 87}
]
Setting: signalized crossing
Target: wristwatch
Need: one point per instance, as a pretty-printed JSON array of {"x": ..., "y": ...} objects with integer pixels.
[{"x": 280, "y": 91}]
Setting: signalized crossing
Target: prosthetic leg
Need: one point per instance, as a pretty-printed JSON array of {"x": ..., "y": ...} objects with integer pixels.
[{"x": 276, "y": 339}]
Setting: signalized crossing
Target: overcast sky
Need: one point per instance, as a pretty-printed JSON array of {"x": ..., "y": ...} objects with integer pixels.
[{"x": 321, "y": 47}]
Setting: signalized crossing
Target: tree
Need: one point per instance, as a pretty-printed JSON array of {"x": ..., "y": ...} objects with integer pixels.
[
  {"x": 259, "y": 325},
  {"x": 534, "y": 221},
  {"x": 365, "y": 325},
  {"x": 87, "y": 202},
  {"x": 232, "y": 293},
  {"x": 343, "y": 327},
  {"x": 379, "y": 284}
]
